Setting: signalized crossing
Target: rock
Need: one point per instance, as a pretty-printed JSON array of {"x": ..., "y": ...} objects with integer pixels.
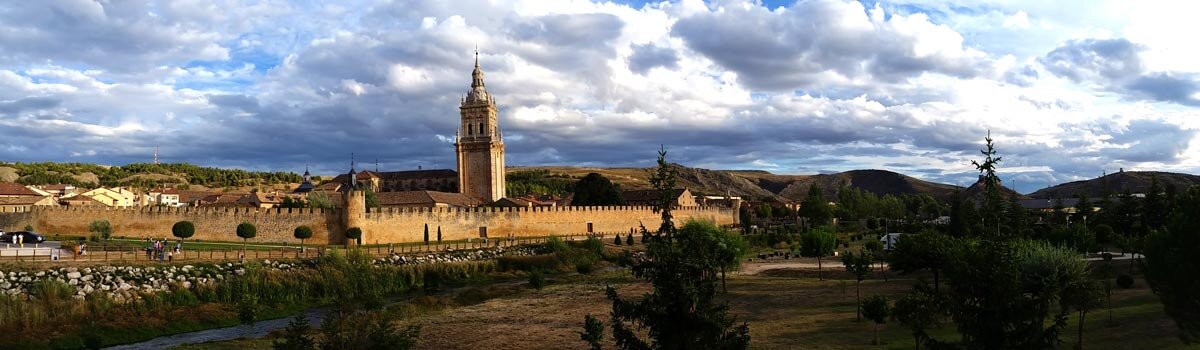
[
  {"x": 86, "y": 278},
  {"x": 73, "y": 275}
]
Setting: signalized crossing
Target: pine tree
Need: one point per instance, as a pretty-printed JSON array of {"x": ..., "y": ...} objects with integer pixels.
[{"x": 993, "y": 207}]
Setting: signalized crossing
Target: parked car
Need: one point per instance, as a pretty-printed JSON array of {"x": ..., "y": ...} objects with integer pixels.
[{"x": 29, "y": 237}]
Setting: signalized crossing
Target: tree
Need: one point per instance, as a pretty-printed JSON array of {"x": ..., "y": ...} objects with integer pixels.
[
  {"x": 302, "y": 233},
  {"x": 1000, "y": 293},
  {"x": 593, "y": 332},
  {"x": 1171, "y": 265},
  {"x": 993, "y": 206},
  {"x": 354, "y": 234},
  {"x": 369, "y": 198},
  {"x": 877, "y": 309},
  {"x": 319, "y": 200},
  {"x": 920, "y": 309},
  {"x": 617, "y": 240},
  {"x": 860, "y": 265},
  {"x": 628, "y": 239},
  {"x": 99, "y": 227},
  {"x": 918, "y": 251},
  {"x": 426, "y": 234},
  {"x": 1083, "y": 297},
  {"x": 439, "y": 234},
  {"x": 246, "y": 231},
  {"x": 732, "y": 248},
  {"x": 295, "y": 336},
  {"x": 183, "y": 229},
  {"x": 247, "y": 309},
  {"x": 1083, "y": 208},
  {"x": 1156, "y": 209},
  {"x": 817, "y": 243},
  {"x": 962, "y": 215},
  {"x": 815, "y": 207},
  {"x": 595, "y": 189},
  {"x": 680, "y": 311}
]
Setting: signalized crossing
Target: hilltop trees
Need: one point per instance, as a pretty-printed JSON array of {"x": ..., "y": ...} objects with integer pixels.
[{"x": 595, "y": 189}]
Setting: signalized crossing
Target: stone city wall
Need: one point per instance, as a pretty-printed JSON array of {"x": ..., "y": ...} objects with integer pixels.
[
  {"x": 408, "y": 224},
  {"x": 386, "y": 225},
  {"x": 212, "y": 224}
]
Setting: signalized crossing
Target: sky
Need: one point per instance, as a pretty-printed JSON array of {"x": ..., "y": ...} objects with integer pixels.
[{"x": 1068, "y": 89}]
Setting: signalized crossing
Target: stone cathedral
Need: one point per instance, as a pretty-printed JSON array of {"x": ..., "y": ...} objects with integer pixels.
[{"x": 479, "y": 143}]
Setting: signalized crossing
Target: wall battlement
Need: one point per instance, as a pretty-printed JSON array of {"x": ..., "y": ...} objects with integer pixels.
[{"x": 382, "y": 225}]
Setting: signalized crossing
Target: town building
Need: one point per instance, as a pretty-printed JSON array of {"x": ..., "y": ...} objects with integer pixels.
[
  {"x": 424, "y": 199},
  {"x": 114, "y": 197},
  {"x": 681, "y": 197}
]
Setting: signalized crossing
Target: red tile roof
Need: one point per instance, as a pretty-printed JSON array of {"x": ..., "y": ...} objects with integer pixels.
[
  {"x": 424, "y": 198},
  {"x": 14, "y": 189}
]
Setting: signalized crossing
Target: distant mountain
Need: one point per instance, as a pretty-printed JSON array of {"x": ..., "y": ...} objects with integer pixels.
[
  {"x": 758, "y": 184},
  {"x": 880, "y": 182},
  {"x": 1116, "y": 183},
  {"x": 977, "y": 190}
]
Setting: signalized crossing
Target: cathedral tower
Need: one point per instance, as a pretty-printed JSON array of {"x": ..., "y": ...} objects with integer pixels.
[{"x": 479, "y": 143}]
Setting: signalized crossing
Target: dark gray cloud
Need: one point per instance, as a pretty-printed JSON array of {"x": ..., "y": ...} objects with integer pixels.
[
  {"x": 791, "y": 49},
  {"x": 1095, "y": 60},
  {"x": 1116, "y": 65},
  {"x": 649, "y": 56}
]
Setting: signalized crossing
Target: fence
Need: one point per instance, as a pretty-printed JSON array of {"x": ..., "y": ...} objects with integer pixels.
[{"x": 127, "y": 253}]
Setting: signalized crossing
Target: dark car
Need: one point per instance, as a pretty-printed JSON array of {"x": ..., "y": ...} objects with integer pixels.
[{"x": 30, "y": 237}]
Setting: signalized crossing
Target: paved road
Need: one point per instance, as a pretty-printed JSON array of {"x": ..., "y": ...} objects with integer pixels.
[
  {"x": 29, "y": 249},
  {"x": 754, "y": 268},
  {"x": 258, "y": 330}
]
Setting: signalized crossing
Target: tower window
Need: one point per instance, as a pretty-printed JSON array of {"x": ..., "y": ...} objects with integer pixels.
[
  {"x": 470, "y": 129},
  {"x": 481, "y": 129}
]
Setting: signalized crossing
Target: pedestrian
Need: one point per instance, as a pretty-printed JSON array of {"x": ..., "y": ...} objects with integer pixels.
[{"x": 170, "y": 257}]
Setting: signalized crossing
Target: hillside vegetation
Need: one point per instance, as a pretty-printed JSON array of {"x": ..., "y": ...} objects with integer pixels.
[
  {"x": 142, "y": 175},
  {"x": 1117, "y": 183}
]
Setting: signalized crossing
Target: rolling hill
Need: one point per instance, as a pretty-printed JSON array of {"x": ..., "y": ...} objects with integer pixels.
[
  {"x": 1116, "y": 183},
  {"x": 758, "y": 184}
]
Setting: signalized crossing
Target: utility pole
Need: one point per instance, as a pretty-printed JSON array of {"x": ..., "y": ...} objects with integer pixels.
[{"x": 156, "y": 154}]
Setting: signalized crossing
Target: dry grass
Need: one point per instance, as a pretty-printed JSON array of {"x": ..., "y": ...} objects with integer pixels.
[{"x": 786, "y": 309}]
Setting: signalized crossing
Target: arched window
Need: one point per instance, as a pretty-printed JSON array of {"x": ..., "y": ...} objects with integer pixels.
[
  {"x": 470, "y": 129},
  {"x": 481, "y": 129}
]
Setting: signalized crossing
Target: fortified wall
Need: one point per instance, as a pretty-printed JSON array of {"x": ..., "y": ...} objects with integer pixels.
[
  {"x": 408, "y": 224},
  {"x": 212, "y": 224},
  {"x": 385, "y": 225}
]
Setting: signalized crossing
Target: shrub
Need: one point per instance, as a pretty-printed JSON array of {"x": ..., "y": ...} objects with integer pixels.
[
  {"x": 355, "y": 234},
  {"x": 248, "y": 309},
  {"x": 1125, "y": 281},
  {"x": 628, "y": 239},
  {"x": 295, "y": 336},
  {"x": 594, "y": 246},
  {"x": 617, "y": 240},
  {"x": 183, "y": 229},
  {"x": 537, "y": 280},
  {"x": 584, "y": 267},
  {"x": 365, "y": 330},
  {"x": 432, "y": 281},
  {"x": 102, "y": 228},
  {"x": 527, "y": 263}
]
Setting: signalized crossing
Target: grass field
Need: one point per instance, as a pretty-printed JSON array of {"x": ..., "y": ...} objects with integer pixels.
[{"x": 786, "y": 309}]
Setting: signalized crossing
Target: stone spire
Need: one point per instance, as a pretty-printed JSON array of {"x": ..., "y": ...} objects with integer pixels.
[{"x": 478, "y": 92}]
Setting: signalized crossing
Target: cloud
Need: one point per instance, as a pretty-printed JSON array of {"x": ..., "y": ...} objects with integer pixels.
[
  {"x": 648, "y": 56},
  {"x": 1116, "y": 65},
  {"x": 802, "y": 88},
  {"x": 827, "y": 43}
]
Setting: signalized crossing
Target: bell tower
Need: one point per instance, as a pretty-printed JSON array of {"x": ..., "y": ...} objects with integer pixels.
[{"x": 479, "y": 143}]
